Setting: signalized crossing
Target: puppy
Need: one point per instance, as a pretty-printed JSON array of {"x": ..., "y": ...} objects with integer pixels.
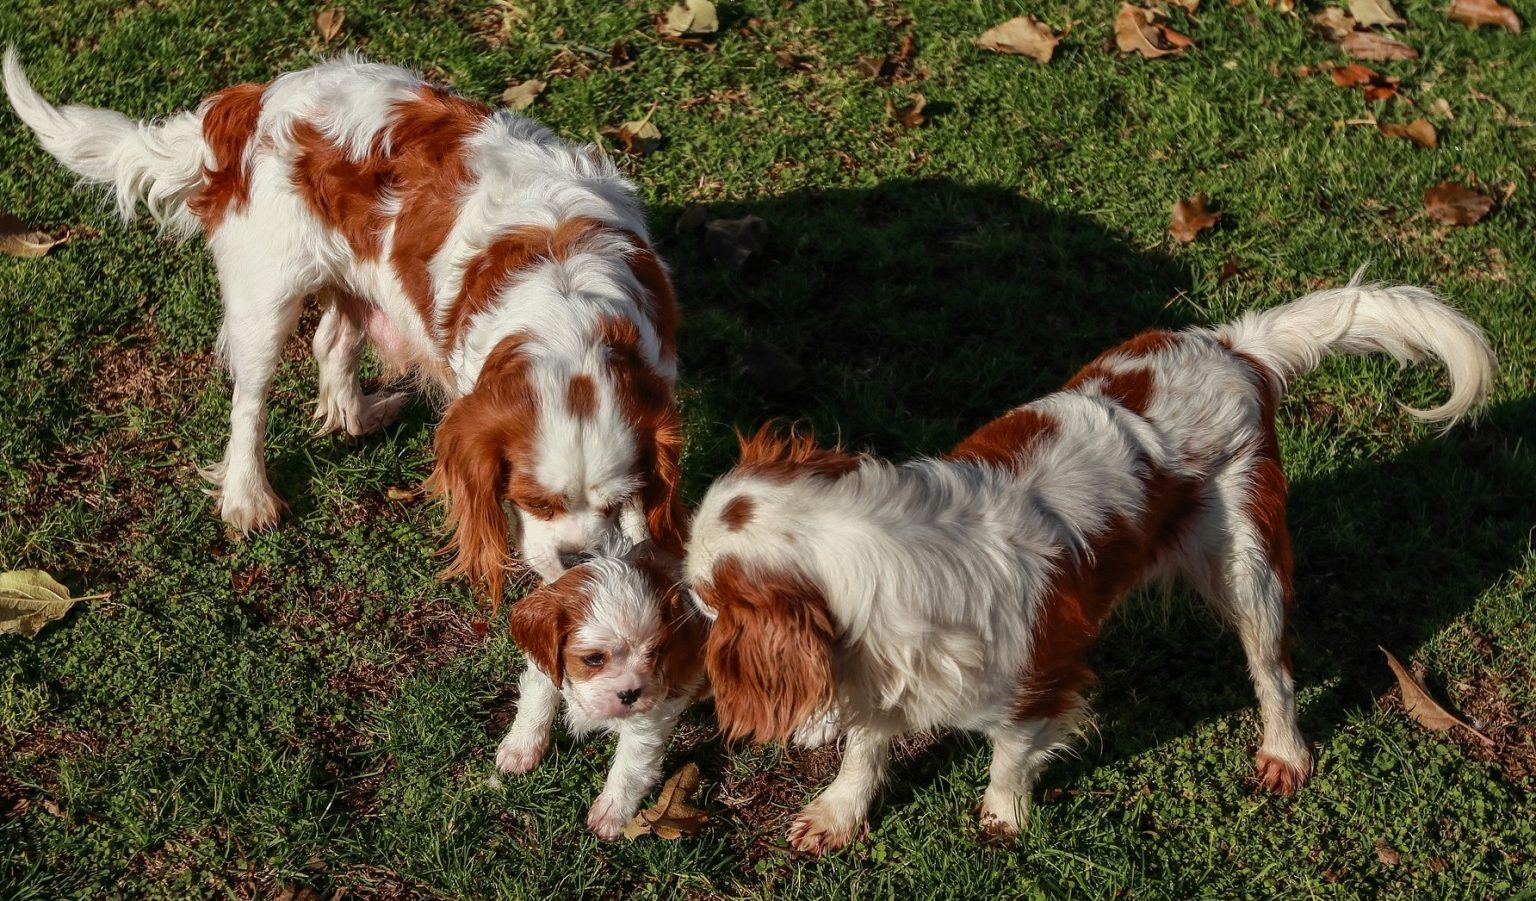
[
  {"x": 965, "y": 591},
  {"x": 617, "y": 640},
  {"x": 509, "y": 269}
]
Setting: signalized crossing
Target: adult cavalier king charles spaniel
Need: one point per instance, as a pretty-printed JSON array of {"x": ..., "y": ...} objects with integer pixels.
[{"x": 965, "y": 591}]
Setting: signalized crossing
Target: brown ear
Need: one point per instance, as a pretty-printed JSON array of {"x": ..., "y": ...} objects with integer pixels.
[
  {"x": 662, "y": 498},
  {"x": 769, "y": 652},
  {"x": 475, "y": 444},
  {"x": 543, "y": 621},
  {"x": 646, "y": 398}
]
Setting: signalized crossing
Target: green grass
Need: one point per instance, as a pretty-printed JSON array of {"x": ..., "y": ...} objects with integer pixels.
[{"x": 312, "y": 708}]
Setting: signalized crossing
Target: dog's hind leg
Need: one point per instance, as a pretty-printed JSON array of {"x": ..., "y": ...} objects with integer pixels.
[
  {"x": 1019, "y": 752},
  {"x": 340, "y": 404}
]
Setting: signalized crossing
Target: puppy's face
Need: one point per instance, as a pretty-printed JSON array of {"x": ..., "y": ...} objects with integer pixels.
[{"x": 614, "y": 633}]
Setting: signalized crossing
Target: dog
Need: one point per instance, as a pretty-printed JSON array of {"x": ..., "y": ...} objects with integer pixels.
[
  {"x": 964, "y": 591},
  {"x": 617, "y": 640},
  {"x": 510, "y": 270}
]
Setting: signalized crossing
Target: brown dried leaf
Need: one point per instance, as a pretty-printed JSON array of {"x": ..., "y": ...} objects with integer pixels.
[
  {"x": 639, "y": 138},
  {"x": 671, "y": 817},
  {"x": 1021, "y": 35},
  {"x": 1369, "y": 45},
  {"x": 735, "y": 241},
  {"x": 1146, "y": 32},
  {"x": 1375, "y": 85},
  {"x": 520, "y": 96},
  {"x": 1231, "y": 269},
  {"x": 31, "y": 599},
  {"x": 19, "y": 241},
  {"x": 1375, "y": 12},
  {"x": 1386, "y": 853},
  {"x": 1190, "y": 217},
  {"x": 1188, "y": 6},
  {"x": 910, "y": 115},
  {"x": 328, "y": 23},
  {"x": 1417, "y": 702},
  {"x": 1419, "y": 131},
  {"x": 691, "y": 17},
  {"x": 1335, "y": 23},
  {"x": 404, "y": 495},
  {"x": 1473, "y": 13}
]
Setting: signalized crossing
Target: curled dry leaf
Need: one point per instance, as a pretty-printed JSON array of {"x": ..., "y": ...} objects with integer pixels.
[
  {"x": 1419, "y": 131},
  {"x": 639, "y": 138},
  {"x": 1417, "y": 702},
  {"x": 671, "y": 817},
  {"x": 1369, "y": 45},
  {"x": 1473, "y": 13},
  {"x": 1375, "y": 85},
  {"x": 328, "y": 23},
  {"x": 1375, "y": 12},
  {"x": 31, "y": 599},
  {"x": 691, "y": 17},
  {"x": 735, "y": 241},
  {"x": 1146, "y": 32},
  {"x": 1455, "y": 204},
  {"x": 404, "y": 495},
  {"x": 19, "y": 241},
  {"x": 1386, "y": 853},
  {"x": 1023, "y": 36},
  {"x": 1190, "y": 217},
  {"x": 520, "y": 96},
  {"x": 1335, "y": 23},
  {"x": 910, "y": 115},
  {"x": 1188, "y": 6}
]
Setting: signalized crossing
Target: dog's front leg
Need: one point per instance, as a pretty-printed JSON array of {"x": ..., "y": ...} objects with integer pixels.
[
  {"x": 636, "y": 768},
  {"x": 829, "y": 822},
  {"x": 524, "y": 744}
]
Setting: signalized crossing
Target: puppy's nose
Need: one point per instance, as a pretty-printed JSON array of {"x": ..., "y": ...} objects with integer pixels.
[
  {"x": 573, "y": 559},
  {"x": 629, "y": 696}
]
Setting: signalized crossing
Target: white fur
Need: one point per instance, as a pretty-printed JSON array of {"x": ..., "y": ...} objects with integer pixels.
[
  {"x": 934, "y": 571},
  {"x": 273, "y": 252}
]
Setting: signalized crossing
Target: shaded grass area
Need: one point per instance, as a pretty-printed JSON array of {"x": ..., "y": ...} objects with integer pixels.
[{"x": 312, "y": 707}]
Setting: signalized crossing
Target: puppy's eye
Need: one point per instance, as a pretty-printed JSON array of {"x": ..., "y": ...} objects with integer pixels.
[
  {"x": 541, "y": 509},
  {"x": 595, "y": 660}
]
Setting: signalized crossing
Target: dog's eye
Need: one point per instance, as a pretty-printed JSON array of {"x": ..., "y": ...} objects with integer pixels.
[{"x": 595, "y": 660}]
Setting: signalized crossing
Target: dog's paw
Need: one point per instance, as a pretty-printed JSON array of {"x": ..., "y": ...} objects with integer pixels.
[
  {"x": 516, "y": 754},
  {"x": 1003, "y": 814},
  {"x": 817, "y": 831},
  {"x": 250, "y": 508},
  {"x": 1280, "y": 776},
  {"x": 607, "y": 816}
]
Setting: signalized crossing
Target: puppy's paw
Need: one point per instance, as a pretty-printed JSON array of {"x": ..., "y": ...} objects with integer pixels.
[
  {"x": 518, "y": 754},
  {"x": 817, "y": 830},
  {"x": 607, "y": 816},
  {"x": 1283, "y": 777}
]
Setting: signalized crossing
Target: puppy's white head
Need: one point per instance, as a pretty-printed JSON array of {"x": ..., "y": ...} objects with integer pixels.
[{"x": 614, "y": 633}]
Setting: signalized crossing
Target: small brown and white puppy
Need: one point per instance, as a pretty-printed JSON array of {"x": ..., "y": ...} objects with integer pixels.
[
  {"x": 965, "y": 591},
  {"x": 619, "y": 642}
]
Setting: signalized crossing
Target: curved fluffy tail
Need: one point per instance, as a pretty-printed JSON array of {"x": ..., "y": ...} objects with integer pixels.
[
  {"x": 159, "y": 164},
  {"x": 1407, "y": 322}
]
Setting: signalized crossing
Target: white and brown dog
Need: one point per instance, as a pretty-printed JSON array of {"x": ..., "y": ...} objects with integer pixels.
[
  {"x": 615, "y": 638},
  {"x": 510, "y": 269},
  {"x": 965, "y": 591}
]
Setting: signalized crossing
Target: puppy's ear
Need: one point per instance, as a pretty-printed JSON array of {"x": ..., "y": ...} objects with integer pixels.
[
  {"x": 479, "y": 437},
  {"x": 543, "y": 621},
  {"x": 770, "y": 651}
]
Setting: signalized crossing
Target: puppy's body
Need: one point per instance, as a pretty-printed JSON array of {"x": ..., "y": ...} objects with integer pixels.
[
  {"x": 966, "y": 591},
  {"x": 616, "y": 641},
  {"x": 510, "y": 269}
]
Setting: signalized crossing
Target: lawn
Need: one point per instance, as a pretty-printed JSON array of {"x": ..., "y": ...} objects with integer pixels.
[{"x": 313, "y": 709}]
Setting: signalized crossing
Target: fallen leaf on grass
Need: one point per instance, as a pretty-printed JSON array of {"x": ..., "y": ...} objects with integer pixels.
[
  {"x": 1442, "y": 107},
  {"x": 19, "y": 241},
  {"x": 735, "y": 241},
  {"x": 1335, "y": 22},
  {"x": 1146, "y": 32},
  {"x": 1417, "y": 702},
  {"x": 1376, "y": 86},
  {"x": 1190, "y": 217},
  {"x": 520, "y": 96},
  {"x": 1375, "y": 12},
  {"x": 1419, "y": 131},
  {"x": 1473, "y": 13},
  {"x": 1231, "y": 269},
  {"x": 1369, "y": 45},
  {"x": 1386, "y": 853},
  {"x": 691, "y": 17},
  {"x": 638, "y": 138},
  {"x": 910, "y": 115},
  {"x": 1022, "y": 36},
  {"x": 328, "y": 23},
  {"x": 31, "y": 599},
  {"x": 404, "y": 495},
  {"x": 1188, "y": 6},
  {"x": 671, "y": 817}
]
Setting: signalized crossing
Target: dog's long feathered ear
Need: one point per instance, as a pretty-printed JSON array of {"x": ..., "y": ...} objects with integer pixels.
[
  {"x": 665, "y": 517},
  {"x": 769, "y": 651},
  {"x": 648, "y": 403},
  {"x": 543, "y": 621}
]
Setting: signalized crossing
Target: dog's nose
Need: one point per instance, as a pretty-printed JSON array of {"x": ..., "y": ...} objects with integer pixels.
[
  {"x": 629, "y": 696},
  {"x": 573, "y": 559}
]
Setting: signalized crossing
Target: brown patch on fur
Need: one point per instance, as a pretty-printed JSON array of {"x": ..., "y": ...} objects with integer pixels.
[
  {"x": 1009, "y": 441},
  {"x": 679, "y": 657},
  {"x": 484, "y": 438},
  {"x": 1085, "y": 590},
  {"x": 645, "y": 398},
  {"x": 738, "y": 512},
  {"x": 229, "y": 123},
  {"x": 769, "y": 651},
  {"x": 1130, "y": 387},
  {"x": 1147, "y": 343},
  {"x": 581, "y": 396},
  {"x": 520, "y": 249},
  {"x": 775, "y": 454},
  {"x": 543, "y": 621},
  {"x": 662, "y": 309}
]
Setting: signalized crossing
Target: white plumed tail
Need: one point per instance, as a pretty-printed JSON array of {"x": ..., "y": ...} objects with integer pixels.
[
  {"x": 1407, "y": 322},
  {"x": 159, "y": 164}
]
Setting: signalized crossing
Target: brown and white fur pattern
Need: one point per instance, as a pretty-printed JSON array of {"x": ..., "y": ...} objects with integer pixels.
[
  {"x": 618, "y": 641},
  {"x": 511, "y": 270},
  {"x": 965, "y": 591}
]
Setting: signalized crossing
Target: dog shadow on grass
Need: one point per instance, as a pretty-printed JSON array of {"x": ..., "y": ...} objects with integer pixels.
[{"x": 898, "y": 318}]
